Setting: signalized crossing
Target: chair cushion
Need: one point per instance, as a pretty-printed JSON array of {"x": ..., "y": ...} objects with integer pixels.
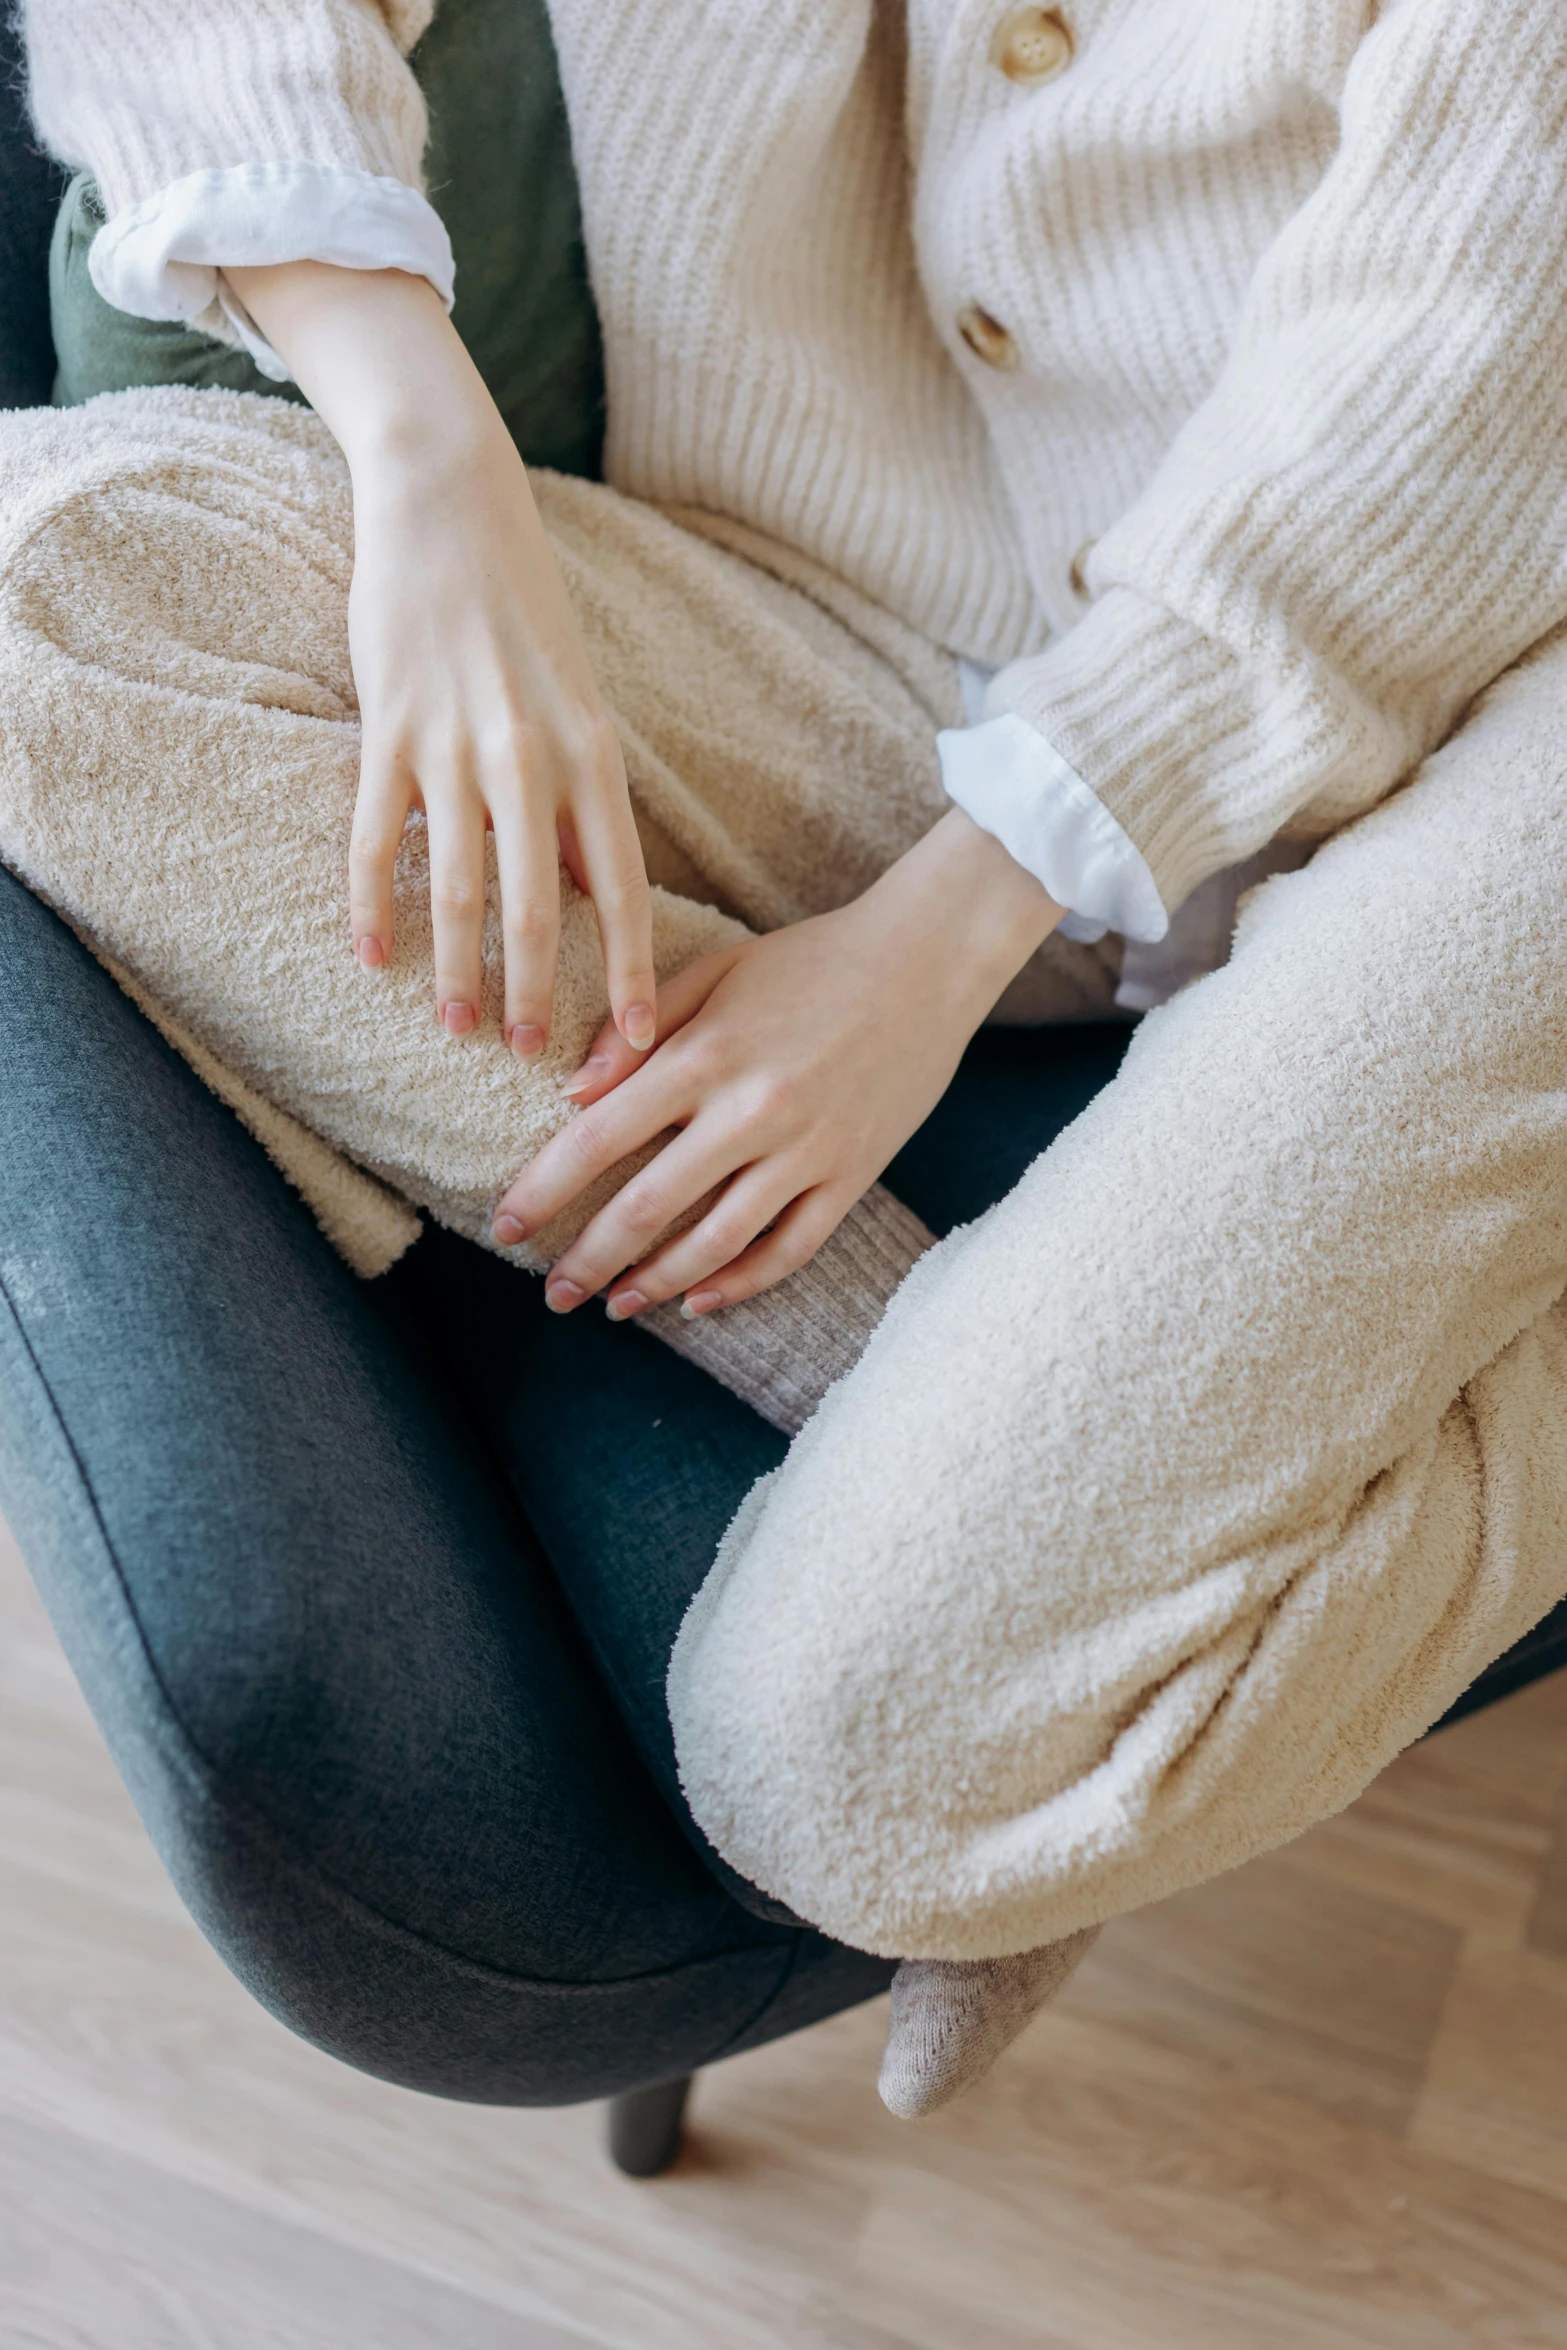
[
  {"x": 100, "y": 349},
  {"x": 327, "y": 1655},
  {"x": 29, "y": 195},
  {"x": 500, "y": 174}
]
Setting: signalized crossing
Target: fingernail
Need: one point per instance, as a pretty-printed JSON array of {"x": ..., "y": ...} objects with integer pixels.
[
  {"x": 526, "y": 1040},
  {"x": 638, "y": 1025},
  {"x": 457, "y": 1019},
  {"x": 702, "y": 1302},
  {"x": 508, "y": 1231},
  {"x": 621, "y": 1308},
  {"x": 588, "y": 1075},
  {"x": 371, "y": 953},
  {"x": 561, "y": 1296}
]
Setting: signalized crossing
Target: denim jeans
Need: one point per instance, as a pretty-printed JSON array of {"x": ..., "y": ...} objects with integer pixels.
[{"x": 371, "y": 1586}]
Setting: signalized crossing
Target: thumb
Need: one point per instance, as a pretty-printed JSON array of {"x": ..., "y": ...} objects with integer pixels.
[{"x": 610, "y": 1059}]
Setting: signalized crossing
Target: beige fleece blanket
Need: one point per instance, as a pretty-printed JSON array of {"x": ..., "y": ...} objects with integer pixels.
[{"x": 1172, "y": 1498}]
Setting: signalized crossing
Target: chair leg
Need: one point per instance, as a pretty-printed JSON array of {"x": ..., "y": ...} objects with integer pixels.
[{"x": 645, "y": 2128}]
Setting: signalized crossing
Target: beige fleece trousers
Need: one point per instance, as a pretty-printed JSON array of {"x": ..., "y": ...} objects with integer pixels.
[
  {"x": 1172, "y": 1498},
  {"x": 1181, "y": 1491},
  {"x": 179, "y": 746}
]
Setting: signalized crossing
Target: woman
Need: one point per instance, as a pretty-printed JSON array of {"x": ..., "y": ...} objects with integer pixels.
[{"x": 1189, "y": 394}]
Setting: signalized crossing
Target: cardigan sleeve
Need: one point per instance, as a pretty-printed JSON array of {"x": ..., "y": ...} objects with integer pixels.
[
  {"x": 1366, "y": 520},
  {"x": 230, "y": 131},
  {"x": 1015, "y": 785}
]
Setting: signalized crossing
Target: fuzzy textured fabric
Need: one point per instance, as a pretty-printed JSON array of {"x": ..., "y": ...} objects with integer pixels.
[
  {"x": 177, "y": 739},
  {"x": 1178, "y": 353},
  {"x": 1208, "y": 367},
  {"x": 179, "y": 748},
  {"x": 952, "y": 2017},
  {"x": 1180, "y": 1492}
]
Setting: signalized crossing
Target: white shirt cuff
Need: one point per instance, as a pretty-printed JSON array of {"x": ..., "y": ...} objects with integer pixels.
[
  {"x": 164, "y": 258},
  {"x": 1015, "y": 784}
]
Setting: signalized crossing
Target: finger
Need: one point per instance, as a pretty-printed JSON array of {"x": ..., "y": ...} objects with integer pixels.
[
  {"x": 589, "y": 1146},
  {"x": 610, "y": 1059},
  {"x": 746, "y": 1206},
  {"x": 612, "y": 860},
  {"x": 456, "y": 821},
  {"x": 528, "y": 860},
  {"x": 792, "y": 1242},
  {"x": 380, "y": 814},
  {"x": 630, "y": 1226},
  {"x": 571, "y": 850}
]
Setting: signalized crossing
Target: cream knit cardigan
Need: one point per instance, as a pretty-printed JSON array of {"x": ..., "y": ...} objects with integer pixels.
[{"x": 1272, "y": 477}]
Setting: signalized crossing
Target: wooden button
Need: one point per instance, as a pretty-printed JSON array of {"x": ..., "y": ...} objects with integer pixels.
[
  {"x": 1032, "y": 45},
  {"x": 986, "y": 337},
  {"x": 1077, "y": 571}
]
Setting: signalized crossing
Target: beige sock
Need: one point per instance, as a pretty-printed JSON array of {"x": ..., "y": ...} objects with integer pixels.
[
  {"x": 952, "y": 2017},
  {"x": 783, "y": 1350}
]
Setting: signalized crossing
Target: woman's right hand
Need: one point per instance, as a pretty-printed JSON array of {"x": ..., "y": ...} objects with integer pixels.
[{"x": 476, "y": 694}]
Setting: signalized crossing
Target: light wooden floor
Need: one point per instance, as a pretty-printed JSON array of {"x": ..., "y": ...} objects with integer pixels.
[{"x": 1321, "y": 2105}]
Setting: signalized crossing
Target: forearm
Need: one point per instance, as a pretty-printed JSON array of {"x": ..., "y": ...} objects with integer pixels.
[
  {"x": 379, "y": 360},
  {"x": 229, "y": 132}
]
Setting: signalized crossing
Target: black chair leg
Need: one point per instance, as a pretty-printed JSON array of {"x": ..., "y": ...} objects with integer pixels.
[{"x": 645, "y": 2128}]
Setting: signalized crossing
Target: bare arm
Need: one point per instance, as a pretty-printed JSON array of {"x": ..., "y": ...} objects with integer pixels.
[{"x": 477, "y": 696}]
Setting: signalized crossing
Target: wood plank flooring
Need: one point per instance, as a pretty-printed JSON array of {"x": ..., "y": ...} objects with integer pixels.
[{"x": 1320, "y": 2105}]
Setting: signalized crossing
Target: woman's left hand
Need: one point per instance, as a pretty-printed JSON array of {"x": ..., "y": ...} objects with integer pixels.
[{"x": 793, "y": 1067}]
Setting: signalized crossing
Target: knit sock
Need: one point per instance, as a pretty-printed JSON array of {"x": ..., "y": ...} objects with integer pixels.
[
  {"x": 952, "y": 2017},
  {"x": 783, "y": 1350}
]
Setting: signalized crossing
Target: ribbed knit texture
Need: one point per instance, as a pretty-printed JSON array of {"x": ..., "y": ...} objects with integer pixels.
[
  {"x": 1366, "y": 520},
  {"x": 786, "y": 1348},
  {"x": 142, "y": 92},
  {"x": 770, "y": 351},
  {"x": 952, "y": 2017},
  {"x": 1285, "y": 285}
]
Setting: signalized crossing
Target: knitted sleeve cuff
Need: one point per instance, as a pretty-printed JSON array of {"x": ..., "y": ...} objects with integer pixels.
[
  {"x": 1015, "y": 784},
  {"x": 165, "y": 257},
  {"x": 1198, "y": 754}
]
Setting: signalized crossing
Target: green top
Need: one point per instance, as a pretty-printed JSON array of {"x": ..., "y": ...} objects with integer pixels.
[{"x": 500, "y": 176}]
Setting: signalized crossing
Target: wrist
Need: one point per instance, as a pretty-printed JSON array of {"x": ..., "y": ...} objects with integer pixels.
[
  {"x": 379, "y": 360},
  {"x": 438, "y": 424},
  {"x": 988, "y": 911},
  {"x": 401, "y": 465}
]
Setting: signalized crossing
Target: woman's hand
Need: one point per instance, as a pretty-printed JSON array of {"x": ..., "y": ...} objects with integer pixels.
[
  {"x": 794, "y": 1066},
  {"x": 476, "y": 693}
]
